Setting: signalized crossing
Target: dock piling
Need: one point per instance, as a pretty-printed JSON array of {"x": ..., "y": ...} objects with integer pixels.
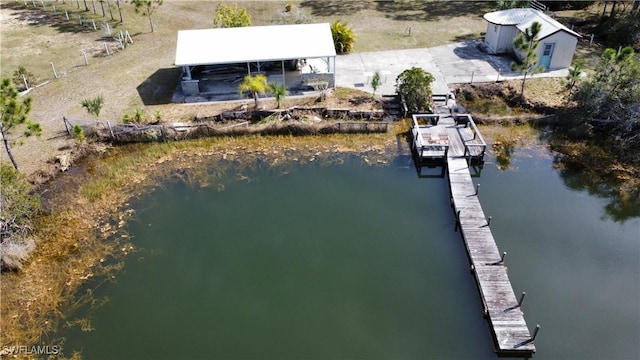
[
  {"x": 521, "y": 298},
  {"x": 458, "y": 147},
  {"x": 535, "y": 332}
]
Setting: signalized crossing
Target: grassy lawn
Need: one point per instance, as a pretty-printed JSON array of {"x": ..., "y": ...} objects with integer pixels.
[
  {"x": 143, "y": 76},
  {"x": 143, "y": 73}
]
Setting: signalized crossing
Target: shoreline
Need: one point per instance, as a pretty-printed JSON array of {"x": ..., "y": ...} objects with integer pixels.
[{"x": 80, "y": 238}]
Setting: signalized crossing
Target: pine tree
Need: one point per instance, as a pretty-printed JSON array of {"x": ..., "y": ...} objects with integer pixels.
[
  {"x": 13, "y": 114},
  {"x": 527, "y": 43}
]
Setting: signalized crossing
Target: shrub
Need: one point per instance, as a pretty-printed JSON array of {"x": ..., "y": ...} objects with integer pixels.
[
  {"x": 343, "y": 37},
  {"x": 19, "y": 81},
  {"x": 414, "y": 85},
  {"x": 94, "y": 105},
  {"x": 231, "y": 16},
  {"x": 78, "y": 132},
  {"x": 18, "y": 207},
  {"x": 138, "y": 116}
]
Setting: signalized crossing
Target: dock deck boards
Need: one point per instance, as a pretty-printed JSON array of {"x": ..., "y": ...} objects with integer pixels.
[
  {"x": 457, "y": 142},
  {"x": 510, "y": 331},
  {"x": 459, "y": 138}
]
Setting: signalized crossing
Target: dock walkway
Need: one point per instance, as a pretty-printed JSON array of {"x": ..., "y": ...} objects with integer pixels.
[
  {"x": 457, "y": 141},
  {"x": 502, "y": 309}
]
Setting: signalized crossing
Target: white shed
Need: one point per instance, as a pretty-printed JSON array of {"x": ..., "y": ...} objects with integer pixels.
[{"x": 557, "y": 42}]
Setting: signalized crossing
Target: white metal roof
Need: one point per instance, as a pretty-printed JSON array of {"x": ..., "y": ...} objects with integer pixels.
[
  {"x": 507, "y": 17},
  {"x": 523, "y": 18},
  {"x": 254, "y": 43}
]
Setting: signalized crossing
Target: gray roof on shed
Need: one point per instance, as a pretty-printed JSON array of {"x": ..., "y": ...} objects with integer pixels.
[{"x": 522, "y": 18}]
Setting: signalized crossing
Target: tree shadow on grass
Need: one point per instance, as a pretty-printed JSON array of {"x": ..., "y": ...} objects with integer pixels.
[
  {"x": 38, "y": 17},
  {"x": 158, "y": 88},
  {"x": 335, "y": 8},
  {"x": 432, "y": 10},
  {"x": 400, "y": 10}
]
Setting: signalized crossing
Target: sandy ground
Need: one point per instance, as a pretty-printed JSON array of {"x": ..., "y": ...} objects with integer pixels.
[{"x": 136, "y": 76}]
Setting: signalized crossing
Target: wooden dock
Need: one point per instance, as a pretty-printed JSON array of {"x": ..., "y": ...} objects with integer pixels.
[
  {"x": 436, "y": 137},
  {"x": 457, "y": 142}
]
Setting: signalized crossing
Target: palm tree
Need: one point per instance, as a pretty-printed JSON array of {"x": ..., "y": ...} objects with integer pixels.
[
  {"x": 375, "y": 83},
  {"x": 93, "y": 106},
  {"x": 343, "y": 37},
  {"x": 527, "y": 42},
  {"x": 255, "y": 85},
  {"x": 279, "y": 91}
]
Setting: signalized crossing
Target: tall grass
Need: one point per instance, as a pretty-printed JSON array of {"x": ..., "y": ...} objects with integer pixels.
[{"x": 81, "y": 243}]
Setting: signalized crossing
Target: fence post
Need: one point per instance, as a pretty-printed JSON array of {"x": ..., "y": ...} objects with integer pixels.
[
  {"x": 106, "y": 48},
  {"x": 55, "y": 74},
  {"x": 472, "y": 74},
  {"x": 128, "y": 36},
  {"x": 66, "y": 14},
  {"x": 66, "y": 125},
  {"x": 591, "y": 40},
  {"x": 24, "y": 79},
  {"x": 113, "y": 137}
]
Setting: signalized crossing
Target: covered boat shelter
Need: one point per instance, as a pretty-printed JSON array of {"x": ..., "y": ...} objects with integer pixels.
[{"x": 216, "y": 60}]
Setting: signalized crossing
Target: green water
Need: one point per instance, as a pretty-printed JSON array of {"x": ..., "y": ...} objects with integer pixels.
[{"x": 362, "y": 262}]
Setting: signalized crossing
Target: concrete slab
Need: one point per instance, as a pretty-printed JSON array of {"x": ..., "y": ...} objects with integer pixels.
[
  {"x": 462, "y": 62},
  {"x": 355, "y": 70}
]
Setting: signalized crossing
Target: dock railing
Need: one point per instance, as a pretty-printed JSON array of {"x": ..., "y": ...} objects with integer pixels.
[
  {"x": 478, "y": 148},
  {"x": 427, "y": 150}
]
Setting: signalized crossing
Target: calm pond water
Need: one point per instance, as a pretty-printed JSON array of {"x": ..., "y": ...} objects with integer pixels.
[{"x": 359, "y": 262}]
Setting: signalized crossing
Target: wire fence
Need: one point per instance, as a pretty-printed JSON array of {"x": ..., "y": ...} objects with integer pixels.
[{"x": 73, "y": 17}]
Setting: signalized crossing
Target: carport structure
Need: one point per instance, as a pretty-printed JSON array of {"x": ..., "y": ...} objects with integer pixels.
[{"x": 307, "y": 47}]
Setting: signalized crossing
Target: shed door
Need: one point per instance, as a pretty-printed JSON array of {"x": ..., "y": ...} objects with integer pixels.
[{"x": 547, "y": 53}]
